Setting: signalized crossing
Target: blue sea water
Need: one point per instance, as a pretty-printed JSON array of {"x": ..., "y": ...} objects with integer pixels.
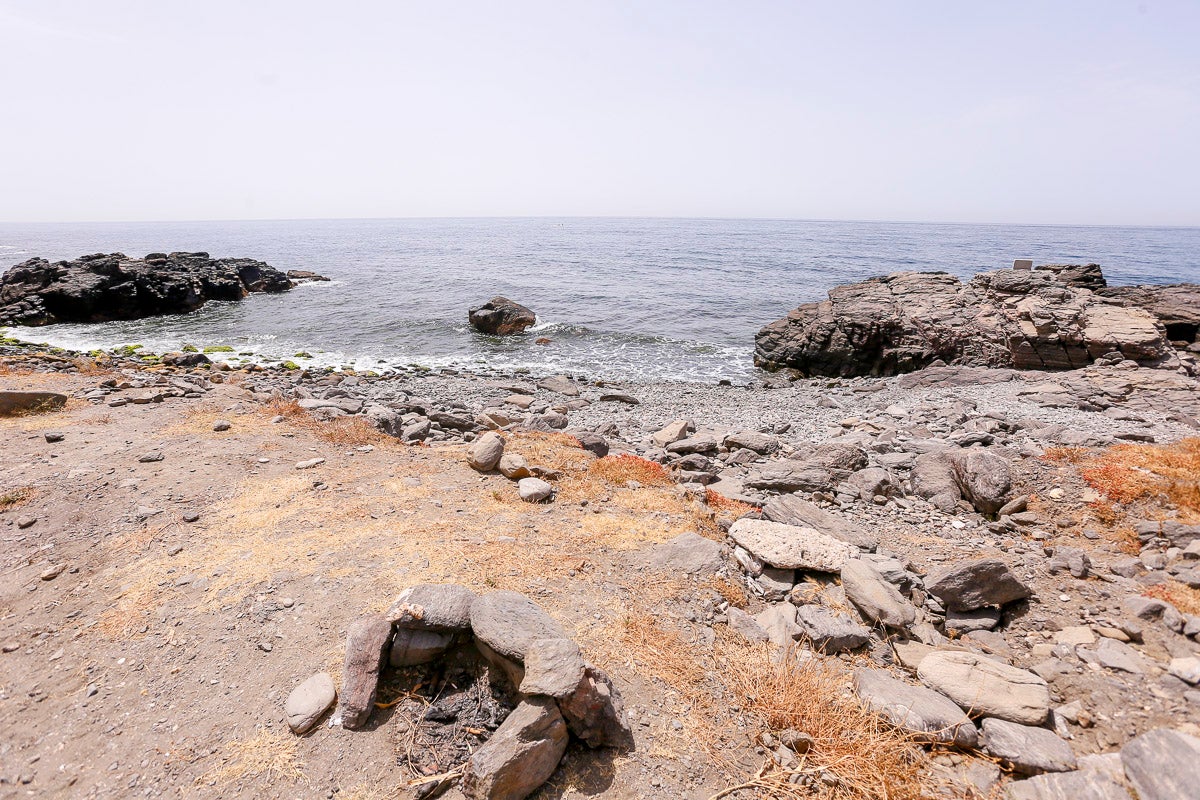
[{"x": 622, "y": 299}]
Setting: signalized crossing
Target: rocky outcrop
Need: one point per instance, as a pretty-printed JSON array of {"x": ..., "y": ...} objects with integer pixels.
[
  {"x": 103, "y": 287},
  {"x": 501, "y": 317},
  {"x": 1046, "y": 318},
  {"x": 1177, "y": 307}
]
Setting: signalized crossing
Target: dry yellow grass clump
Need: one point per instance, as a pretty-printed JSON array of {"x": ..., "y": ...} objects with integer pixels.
[
  {"x": 1128, "y": 473},
  {"x": 11, "y": 498},
  {"x": 343, "y": 431},
  {"x": 269, "y": 754}
]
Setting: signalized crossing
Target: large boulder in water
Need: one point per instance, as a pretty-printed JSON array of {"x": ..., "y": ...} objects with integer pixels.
[
  {"x": 500, "y": 317},
  {"x": 1044, "y": 318},
  {"x": 103, "y": 287}
]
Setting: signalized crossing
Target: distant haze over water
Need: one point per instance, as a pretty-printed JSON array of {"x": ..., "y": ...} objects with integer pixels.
[{"x": 622, "y": 299}]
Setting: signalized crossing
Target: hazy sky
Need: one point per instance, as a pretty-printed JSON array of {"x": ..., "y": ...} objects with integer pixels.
[{"x": 1076, "y": 112}]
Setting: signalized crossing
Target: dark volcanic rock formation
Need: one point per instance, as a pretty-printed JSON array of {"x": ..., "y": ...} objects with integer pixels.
[
  {"x": 500, "y": 317},
  {"x": 103, "y": 287},
  {"x": 1047, "y": 318}
]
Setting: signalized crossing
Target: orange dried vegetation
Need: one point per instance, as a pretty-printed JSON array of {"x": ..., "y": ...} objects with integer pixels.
[
  {"x": 1183, "y": 597},
  {"x": 619, "y": 470},
  {"x": 719, "y": 502},
  {"x": 1129, "y": 473}
]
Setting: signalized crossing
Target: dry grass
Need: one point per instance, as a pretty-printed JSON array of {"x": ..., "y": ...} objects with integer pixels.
[
  {"x": 855, "y": 755},
  {"x": 730, "y": 590},
  {"x": 1183, "y": 597},
  {"x": 859, "y": 755},
  {"x": 1065, "y": 455},
  {"x": 1130, "y": 473},
  {"x": 352, "y": 431},
  {"x": 623, "y": 469},
  {"x": 720, "y": 503},
  {"x": 11, "y": 498},
  {"x": 269, "y": 756}
]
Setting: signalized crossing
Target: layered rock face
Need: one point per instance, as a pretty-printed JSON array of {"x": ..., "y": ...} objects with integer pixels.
[
  {"x": 1046, "y": 318},
  {"x": 102, "y": 287}
]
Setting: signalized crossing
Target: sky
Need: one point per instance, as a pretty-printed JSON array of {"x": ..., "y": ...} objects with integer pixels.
[{"x": 1052, "y": 111}]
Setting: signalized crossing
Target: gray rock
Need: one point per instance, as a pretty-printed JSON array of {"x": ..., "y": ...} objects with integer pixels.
[
  {"x": 308, "y": 701},
  {"x": 485, "y": 452},
  {"x": 594, "y": 443},
  {"x": 987, "y": 688},
  {"x": 222, "y": 425},
  {"x": 792, "y": 510},
  {"x": 703, "y": 442},
  {"x": 872, "y": 482},
  {"x": 513, "y": 466},
  {"x": 791, "y": 547},
  {"x": 521, "y": 755},
  {"x": 1162, "y": 764},
  {"x": 417, "y": 431},
  {"x": 830, "y": 631},
  {"x": 1187, "y": 669},
  {"x": 878, "y": 600},
  {"x": 745, "y": 625},
  {"x": 1119, "y": 656},
  {"x": 673, "y": 432},
  {"x": 779, "y": 623},
  {"x": 534, "y": 490},
  {"x": 983, "y": 478},
  {"x": 975, "y": 584},
  {"x": 510, "y": 623},
  {"x": 1026, "y": 749},
  {"x": 501, "y": 317},
  {"x": 553, "y": 667},
  {"x": 413, "y": 647},
  {"x": 921, "y": 711},
  {"x": 1067, "y": 786},
  {"x": 689, "y": 553},
  {"x": 760, "y": 443},
  {"x": 595, "y": 712},
  {"x": 433, "y": 607},
  {"x": 982, "y": 619},
  {"x": 560, "y": 384},
  {"x": 843, "y": 457},
  {"x": 366, "y": 645},
  {"x": 791, "y": 476}
]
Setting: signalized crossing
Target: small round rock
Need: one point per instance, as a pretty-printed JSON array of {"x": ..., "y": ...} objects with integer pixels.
[
  {"x": 222, "y": 425},
  {"x": 534, "y": 490}
]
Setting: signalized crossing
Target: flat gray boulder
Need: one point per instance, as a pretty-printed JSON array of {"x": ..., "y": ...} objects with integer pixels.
[
  {"x": 1067, "y": 786},
  {"x": 1163, "y": 764},
  {"x": 931, "y": 717},
  {"x": 509, "y": 623},
  {"x": 791, "y": 547},
  {"x": 433, "y": 607},
  {"x": 553, "y": 667},
  {"x": 308, "y": 701},
  {"x": 974, "y": 584},
  {"x": 878, "y": 600},
  {"x": 1026, "y": 749},
  {"x": 521, "y": 755},
  {"x": 986, "y": 688},
  {"x": 790, "y": 476},
  {"x": 830, "y": 631},
  {"x": 792, "y": 510},
  {"x": 689, "y": 553}
]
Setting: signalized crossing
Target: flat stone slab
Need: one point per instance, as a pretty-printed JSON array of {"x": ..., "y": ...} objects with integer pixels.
[
  {"x": 1027, "y": 749},
  {"x": 509, "y": 623},
  {"x": 553, "y": 667},
  {"x": 975, "y": 584},
  {"x": 1067, "y": 786},
  {"x": 1163, "y": 764},
  {"x": 689, "y": 553},
  {"x": 987, "y": 688},
  {"x": 930, "y": 716},
  {"x": 877, "y": 599},
  {"x": 791, "y": 547},
  {"x": 830, "y": 631},
  {"x": 366, "y": 644},
  {"x": 791, "y": 510},
  {"x": 433, "y": 607}
]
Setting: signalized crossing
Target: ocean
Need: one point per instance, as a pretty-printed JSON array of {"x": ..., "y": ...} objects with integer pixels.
[{"x": 620, "y": 299}]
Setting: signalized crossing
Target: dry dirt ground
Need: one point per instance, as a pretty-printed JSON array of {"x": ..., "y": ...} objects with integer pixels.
[{"x": 157, "y": 661}]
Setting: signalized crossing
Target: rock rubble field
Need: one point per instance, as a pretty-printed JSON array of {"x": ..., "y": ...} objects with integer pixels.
[{"x": 968, "y": 581}]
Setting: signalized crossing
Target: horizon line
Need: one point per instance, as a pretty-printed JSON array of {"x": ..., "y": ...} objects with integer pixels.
[{"x": 596, "y": 217}]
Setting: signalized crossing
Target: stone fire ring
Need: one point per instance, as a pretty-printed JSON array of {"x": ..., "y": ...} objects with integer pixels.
[{"x": 559, "y": 694}]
